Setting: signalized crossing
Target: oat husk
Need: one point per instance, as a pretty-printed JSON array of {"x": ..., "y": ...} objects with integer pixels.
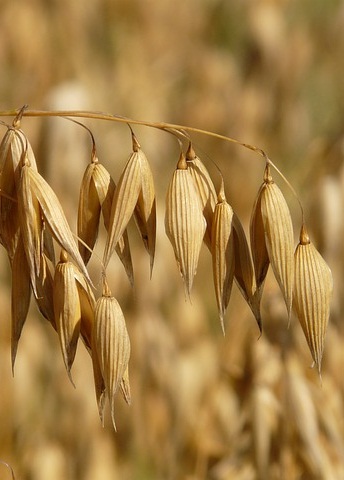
[
  {"x": 312, "y": 295},
  {"x": 106, "y": 187},
  {"x": 184, "y": 222},
  {"x": 205, "y": 188},
  {"x": 279, "y": 236},
  {"x": 88, "y": 214},
  {"x": 112, "y": 347},
  {"x": 223, "y": 258},
  {"x": 21, "y": 296},
  {"x": 243, "y": 273},
  {"x": 134, "y": 193}
]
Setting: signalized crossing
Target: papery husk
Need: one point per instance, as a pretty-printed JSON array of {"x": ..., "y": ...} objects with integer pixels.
[
  {"x": 55, "y": 218},
  {"x": 20, "y": 298},
  {"x": 67, "y": 310},
  {"x": 184, "y": 222},
  {"x": 259, "y": 251},
  {"x": 87, "y": 306},
  {"x": 88, "y": 214},
  {"x": 223, "y": 259},
  {"x": 15, "y": 149},
  {"x": 205, "y": 188},
  {"x": 313, "y": 287},
  {"x": 31, "y": 225},
  {"x": 44, "y": 292},
  {"x": 279, "y": 237},
  {"x": 112, "y": 346},
  {"x": 106, "y": 187},
  {"x": 99, "y": 383},
  {"x": 145, "y": 210},
  {"x": 124, "y": 203},
  {"x": 243, "y": 273}
]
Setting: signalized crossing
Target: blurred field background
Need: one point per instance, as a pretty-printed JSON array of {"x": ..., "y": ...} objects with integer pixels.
[{"x": 267, "y": 72}]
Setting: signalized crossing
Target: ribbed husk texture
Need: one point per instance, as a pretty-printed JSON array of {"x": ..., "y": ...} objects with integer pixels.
[
  {"x": 111, "y": 351},
  {"x": 223, "y": 259},
  {"x": 312, "y": 295},
  {"x": 279, "y": 238},
  {"x": 185, "y": 224}
]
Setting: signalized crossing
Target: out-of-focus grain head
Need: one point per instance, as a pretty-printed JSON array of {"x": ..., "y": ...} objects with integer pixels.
[
  {"x": 112, "y": 348},
  {"x": 279, "y": 236},
  {"x": 313, "y": 287},
  {"x": 205, "y": 188},
  {"x": 185, "y": 224},
  {"x": 223, "y": 256}
]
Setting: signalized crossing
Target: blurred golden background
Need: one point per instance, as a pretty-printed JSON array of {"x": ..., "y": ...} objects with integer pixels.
[{"x": 266, "y": 72}]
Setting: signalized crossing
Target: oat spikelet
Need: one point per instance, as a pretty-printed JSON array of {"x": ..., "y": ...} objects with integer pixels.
[
  {"x": 44, "y": 291},
  {"x": 279, "y": 236},
  {"x": 184, "y": 221},
  {"x": 312, "y": 295},
  {"x": 134, "y": 181},
  {"x": 88, "y": 214},
  {"x": 243, "y": 273},
  {"x": 21, "y": 295},
  {"x": 67, "y": 310},
  {"x": 112, "y": 347},
  {"x": 106, "y": 187},
  {"x": 222, "y": 253},
  {"x": 15, "y": 150},
  {"x": 205, "y": 188},
  {"x": 55, "y": 218},
  {"x": 87, "y": 305},
  {"x": 259, "y": 251},
  {"x": 145, "y": 210},
  {"x": 31, "y": 226}
]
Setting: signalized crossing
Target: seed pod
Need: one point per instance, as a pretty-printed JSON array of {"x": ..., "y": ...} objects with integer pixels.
[
  {"x": 243, "y": 272},
  {"x": 312, "y": 295},
  {"x": 222, "y": 253},
  {"x": 21, "y": 295},
  {"x": 184, "y": 222},
  {"x": 279, "y": 236},
  {"x": 112, "y": 346},
  {"x": 88, "y": 213},
  {"x": 67, "y": 310},
  {"x": 106, "y": 187},
  {"x": 205, "y": 188}
]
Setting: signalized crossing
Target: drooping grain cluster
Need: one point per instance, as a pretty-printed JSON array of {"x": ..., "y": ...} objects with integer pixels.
[{"x": 33, "y": 226}]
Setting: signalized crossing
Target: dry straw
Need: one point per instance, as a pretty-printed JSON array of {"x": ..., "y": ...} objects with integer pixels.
[{"x": 33, "y": 225}]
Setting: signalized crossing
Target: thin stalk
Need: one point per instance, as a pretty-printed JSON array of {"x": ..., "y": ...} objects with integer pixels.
[{"x": 118, "y": 118}]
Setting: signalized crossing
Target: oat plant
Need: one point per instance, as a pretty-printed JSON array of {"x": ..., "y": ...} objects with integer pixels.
[{"x": 49, "y": 262}]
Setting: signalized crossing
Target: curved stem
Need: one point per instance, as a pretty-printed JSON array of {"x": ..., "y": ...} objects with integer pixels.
[{"x": 170, "y": 127}]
